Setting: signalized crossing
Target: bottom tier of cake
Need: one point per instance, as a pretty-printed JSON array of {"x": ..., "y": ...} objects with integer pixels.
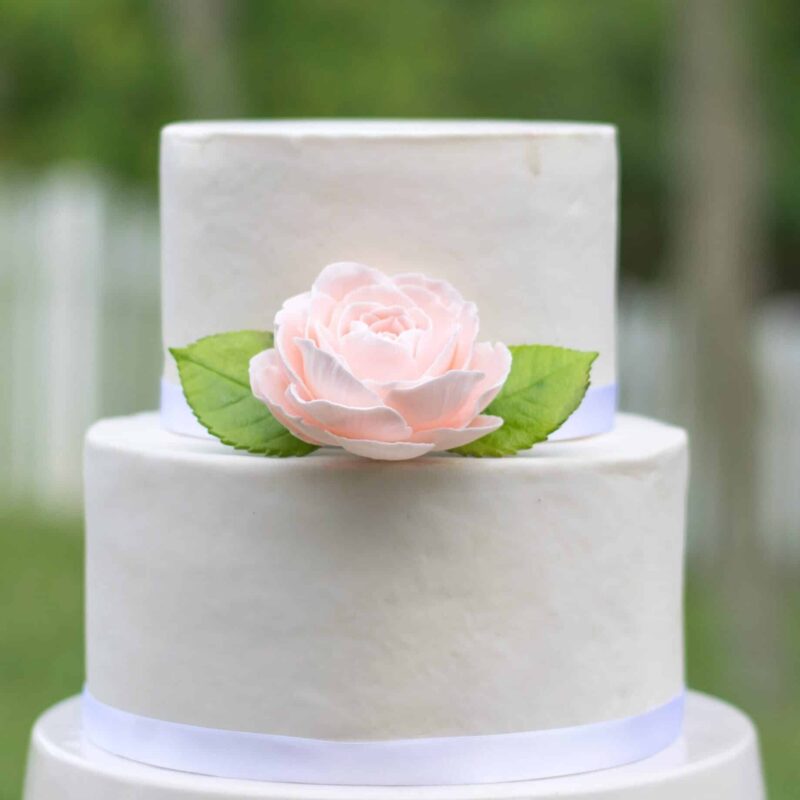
[{"x": 717, "y": 757}]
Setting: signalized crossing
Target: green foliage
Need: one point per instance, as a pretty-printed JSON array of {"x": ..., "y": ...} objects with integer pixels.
[
  {"x": 215, "y": 380},
  {"x": 545, "y": 386},
  {"x": 82, "y": 80}
]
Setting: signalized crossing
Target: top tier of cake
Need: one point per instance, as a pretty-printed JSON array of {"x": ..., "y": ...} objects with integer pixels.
[{"x": 521, "y": 217}]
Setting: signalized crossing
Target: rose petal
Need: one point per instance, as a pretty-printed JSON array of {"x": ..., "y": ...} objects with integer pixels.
[
  {"x": 438, "y": 402},
  {"x": 444, "y": 324},
  {"x": 409, "y": 340},
  {"x": 326, "y": 377},
  {"x": 294, "y": 425},
  {"x": 448, "y": 438},
  {"x": 320, "y": 310},
  {"x": 378, "y": 422},
  {"x": 303, "y": 430},
  {"x": 373, "y": 357},
  {"x": 269, "y": 382},
  {"x": 495, "y": 362},
  {"x": 468, "y": 325},
  {"x": 448, "y": 294},
  {"x": 383, "y": 451},
  {"x": 323, "y": 338},
  {"x": 343, "y": 277},
  {"x": 444, "y": 359},
  {"x": 298, "y": 303},
  {"x": 382, "y": 294},
  {"x": 289, "y": 326},
  {"x": 368, "y": 448},
  {"x": 347, "y": 314},
  {"x": 439, "y": 313}
]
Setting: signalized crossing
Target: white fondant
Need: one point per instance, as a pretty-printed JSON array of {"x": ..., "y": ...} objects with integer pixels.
[
  {"x": 334, "y": 598},
  {"x": 715, "y": 759},
  {"x": 520, "y": 217}
]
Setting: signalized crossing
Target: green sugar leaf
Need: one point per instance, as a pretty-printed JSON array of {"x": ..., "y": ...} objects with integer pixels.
[
  {"x": 545, "y": 385},
  {"x": 214, "y": 374}
]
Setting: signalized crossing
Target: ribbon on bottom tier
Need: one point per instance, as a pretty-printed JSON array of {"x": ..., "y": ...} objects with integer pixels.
[
  {"x": 594, "y": 415},
  {"x": 442, "y": 761}
]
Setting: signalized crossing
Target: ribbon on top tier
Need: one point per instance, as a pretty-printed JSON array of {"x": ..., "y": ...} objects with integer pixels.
[
  {"x": 442, "y": 761},
  {"x": 594, "y": 415}
]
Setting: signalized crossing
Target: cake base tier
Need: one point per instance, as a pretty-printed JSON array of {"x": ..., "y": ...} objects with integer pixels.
[{"x": 717, "y": 757}]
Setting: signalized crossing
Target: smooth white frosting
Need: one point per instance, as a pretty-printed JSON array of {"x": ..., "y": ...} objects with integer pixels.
[
  {"x": 335, "y": 598},
  {"x": 521, "y": 217}
]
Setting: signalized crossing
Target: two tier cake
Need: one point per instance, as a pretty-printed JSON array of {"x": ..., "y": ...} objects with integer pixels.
[{"x": 277, "y": 627}]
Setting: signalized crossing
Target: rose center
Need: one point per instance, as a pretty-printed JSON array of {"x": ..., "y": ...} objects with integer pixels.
[{"x": 388, "y": 322}]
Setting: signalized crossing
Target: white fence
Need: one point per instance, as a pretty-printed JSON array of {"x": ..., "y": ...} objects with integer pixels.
[
  {"x": 648, "y": 368},
  {"x": 79, "y": 339},
  {"x": 79, "y": 324}
]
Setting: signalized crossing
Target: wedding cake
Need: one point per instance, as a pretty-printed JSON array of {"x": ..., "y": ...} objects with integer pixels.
[{"x": 358, "y": 549}]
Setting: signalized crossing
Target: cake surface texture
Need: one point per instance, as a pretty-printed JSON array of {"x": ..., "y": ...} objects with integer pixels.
[
  {"x": 520, "y": 216},
  {"x": 332, "y": 597}
]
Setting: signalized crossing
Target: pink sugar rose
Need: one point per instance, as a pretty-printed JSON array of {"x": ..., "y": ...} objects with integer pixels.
[{"x": 385, "y": 367}]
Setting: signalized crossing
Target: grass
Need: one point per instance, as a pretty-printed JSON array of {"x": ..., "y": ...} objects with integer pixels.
[
  {"x": 41, "y": 648},
  {"x": 41, "y": 633},
  {"x": 775, "y": 711}
]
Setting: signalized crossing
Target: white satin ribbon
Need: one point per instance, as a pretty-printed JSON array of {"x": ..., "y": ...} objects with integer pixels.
[
  {"x": 442, "y": 761},
  {"x": 594, "y": 415},
  {"x": 176, "y": 416}
]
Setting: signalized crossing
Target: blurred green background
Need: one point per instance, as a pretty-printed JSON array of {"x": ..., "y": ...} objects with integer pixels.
[{"x": 706, "y": 95}]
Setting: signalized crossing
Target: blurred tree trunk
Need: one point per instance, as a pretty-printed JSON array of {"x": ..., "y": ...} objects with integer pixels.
[
  {"x": 718, "y": 255},
  {"x": 199, "y": 30}
]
